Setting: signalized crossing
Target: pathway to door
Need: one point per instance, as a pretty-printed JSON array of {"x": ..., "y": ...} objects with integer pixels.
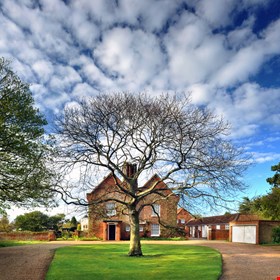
[{"x": 240, "y": 261}]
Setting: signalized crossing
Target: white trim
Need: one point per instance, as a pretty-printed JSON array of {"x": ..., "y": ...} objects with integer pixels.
[
  {"x": 111, "y": 209},
  {"x": 155, "y": 232}
]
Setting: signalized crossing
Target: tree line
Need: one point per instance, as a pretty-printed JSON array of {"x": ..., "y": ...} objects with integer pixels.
[{"x": 37, "y": 221}]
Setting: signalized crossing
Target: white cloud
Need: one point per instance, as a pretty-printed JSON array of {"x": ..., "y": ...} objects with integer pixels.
[
  {"x": 194, "y": 52},
  {"x": 248, "y": 108},
  {"x": 44, "y": 70},
  {"x": 249, "y": 59},
  {"x": 265, "y": 157},
  {"x": 82, "y": 90},
  {"x": 77, "y": 48},
  {"x": 133, "y": 57},
  {"x": 64, "y": 78},
  {"x": 216, "y": 12}
]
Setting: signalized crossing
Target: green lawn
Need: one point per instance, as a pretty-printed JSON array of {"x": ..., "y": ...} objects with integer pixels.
[
  {"x": 8, "y": 243},
  {"x": 106, "y": 261}
]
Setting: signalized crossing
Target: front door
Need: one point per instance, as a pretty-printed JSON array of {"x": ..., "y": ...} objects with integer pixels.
[{"x": 112, "y": 232}]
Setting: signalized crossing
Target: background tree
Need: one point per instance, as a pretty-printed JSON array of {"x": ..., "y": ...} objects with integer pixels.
[
  {"x": 166, "y": 135},
  {"x": 33, "y": 221},
  {"x": 275, "y": 179},
  {"x": 266, "y": 206},
  {"x": 55, "y": 222},
  {"x": 73, "y": 222},
  {"x": 5, "y": 225},
  {"x": 38, "y": 221},
  {"x": 271, "y": 201},
  {"x": 24, "y": 177},
  {"x": 270, "y": 204},
  {"x": 251, "y": 206}
]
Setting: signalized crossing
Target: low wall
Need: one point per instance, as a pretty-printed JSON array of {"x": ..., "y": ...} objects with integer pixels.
[{"x": 38, "y": 236}]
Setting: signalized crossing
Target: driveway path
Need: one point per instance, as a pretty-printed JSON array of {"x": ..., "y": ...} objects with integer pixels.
[
  {"x": 246, "y": 261},
  {"x": 240, "y": 261}
]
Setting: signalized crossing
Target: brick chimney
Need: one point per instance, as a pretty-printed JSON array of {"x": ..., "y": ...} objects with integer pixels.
[{"x": 129, "y": 169}]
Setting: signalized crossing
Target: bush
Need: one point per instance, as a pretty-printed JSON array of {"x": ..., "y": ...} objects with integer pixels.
[
  {"x": 66, "y": 234},
  {"x": 276, "y": 234}
]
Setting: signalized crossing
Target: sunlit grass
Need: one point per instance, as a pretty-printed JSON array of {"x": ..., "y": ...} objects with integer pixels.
[
  {"x": 106, "y": 261},
  {"x": 9, "y": 243}
]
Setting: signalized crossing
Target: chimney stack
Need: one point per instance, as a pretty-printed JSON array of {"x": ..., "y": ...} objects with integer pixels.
[{"x": 129, "y": 169}]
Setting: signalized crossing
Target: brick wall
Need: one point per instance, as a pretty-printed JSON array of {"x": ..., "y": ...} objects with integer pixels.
[{"x": 38, "y": 236}]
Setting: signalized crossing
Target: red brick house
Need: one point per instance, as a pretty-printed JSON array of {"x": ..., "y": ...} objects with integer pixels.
[
  {"x": 109, "y": 220},
  {"x": 183, "y": 217}
]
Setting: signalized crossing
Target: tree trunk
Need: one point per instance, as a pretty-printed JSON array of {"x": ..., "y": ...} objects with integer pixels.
[{"x": 135, "y": 245}]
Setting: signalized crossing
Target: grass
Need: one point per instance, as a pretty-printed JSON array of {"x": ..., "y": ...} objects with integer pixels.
[
  {"x": 107, "y": 261},
  {"x": 9, "y": 243}
]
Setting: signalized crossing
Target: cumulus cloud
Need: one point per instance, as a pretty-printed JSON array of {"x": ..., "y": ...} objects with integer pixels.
[
  {"x": 131, "y": 56},
  {"x": 212, "y": 49},
  {"x": 265, "y": 157},
  {"x": 248, "y": 108}
]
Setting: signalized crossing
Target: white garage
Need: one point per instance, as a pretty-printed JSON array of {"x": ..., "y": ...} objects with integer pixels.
[{"x": 244, "y": 234}]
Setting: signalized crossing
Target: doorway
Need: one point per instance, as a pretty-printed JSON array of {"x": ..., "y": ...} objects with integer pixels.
[{"x": 111, "y": 232}]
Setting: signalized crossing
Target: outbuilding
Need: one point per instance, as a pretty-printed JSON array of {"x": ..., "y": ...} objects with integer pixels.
[
  {"x": 243, "y": 228},
  {"x": 250, "y": 229}
]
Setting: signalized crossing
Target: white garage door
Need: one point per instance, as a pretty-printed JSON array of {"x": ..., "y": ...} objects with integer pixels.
[{"x": 244, "y": 234}]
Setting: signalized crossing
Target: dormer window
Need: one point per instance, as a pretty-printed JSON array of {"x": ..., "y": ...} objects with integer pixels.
[
  {"x": 111, "y": 209},
  {"x": 155, "y": 210}
]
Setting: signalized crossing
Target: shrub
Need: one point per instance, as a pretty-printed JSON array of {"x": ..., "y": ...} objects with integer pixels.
[
  {"x": 66, "y": 234},
  {"x": 276, "y": 234}
]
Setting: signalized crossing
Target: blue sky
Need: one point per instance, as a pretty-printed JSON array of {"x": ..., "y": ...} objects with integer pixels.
[{"x": 226, "y": 53}]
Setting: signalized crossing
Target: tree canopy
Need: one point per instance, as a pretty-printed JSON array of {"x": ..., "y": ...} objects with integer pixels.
[
  {"x": 268, "y": 205},
  {"x": 275, "y": 179},
  {"x": 167, "y": 135},
  {"x": 38, "y": 221},
  {"x": 24, "y": 177}
]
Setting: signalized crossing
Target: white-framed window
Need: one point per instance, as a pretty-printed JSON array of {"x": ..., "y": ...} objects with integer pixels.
[
  {"x": 127, "y": 228},
  {"x": 155, "y": 210},
  {"x": 227, "y": 226},
  {"x": 218, "y": 227},
  {"x": 141, "y": 228},
  {"x": 111, "y": 208},
  {"x": 183, "y": 221},
  {"x": 155, "y": 230}
]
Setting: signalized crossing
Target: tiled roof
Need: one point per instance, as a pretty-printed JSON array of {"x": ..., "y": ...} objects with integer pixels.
[{"x": 223, "y": 219}]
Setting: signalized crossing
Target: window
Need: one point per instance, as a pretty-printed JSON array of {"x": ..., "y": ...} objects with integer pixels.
[
  {"x": 155, "y": 210},
  {"x": 155, "y": 230},
  {"x": 227, "y": 227},
  {"x": 183, "y": 221},
  {"x": 110, "y": 208},
  {"x": 127, "y": 228},
  {"x": 218, "y": 227},
  {"x": 141, "y": 228}
]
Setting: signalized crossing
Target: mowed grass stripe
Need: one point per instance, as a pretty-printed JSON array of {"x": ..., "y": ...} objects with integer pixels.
[{"x": 107, "y": 261}]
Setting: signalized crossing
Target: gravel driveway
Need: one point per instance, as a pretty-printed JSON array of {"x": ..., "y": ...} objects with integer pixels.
[{"x": 240, "y": 261}]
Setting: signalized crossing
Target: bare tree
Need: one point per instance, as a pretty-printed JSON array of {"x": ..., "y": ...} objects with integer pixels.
[{"x": 184, "y": 144}]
